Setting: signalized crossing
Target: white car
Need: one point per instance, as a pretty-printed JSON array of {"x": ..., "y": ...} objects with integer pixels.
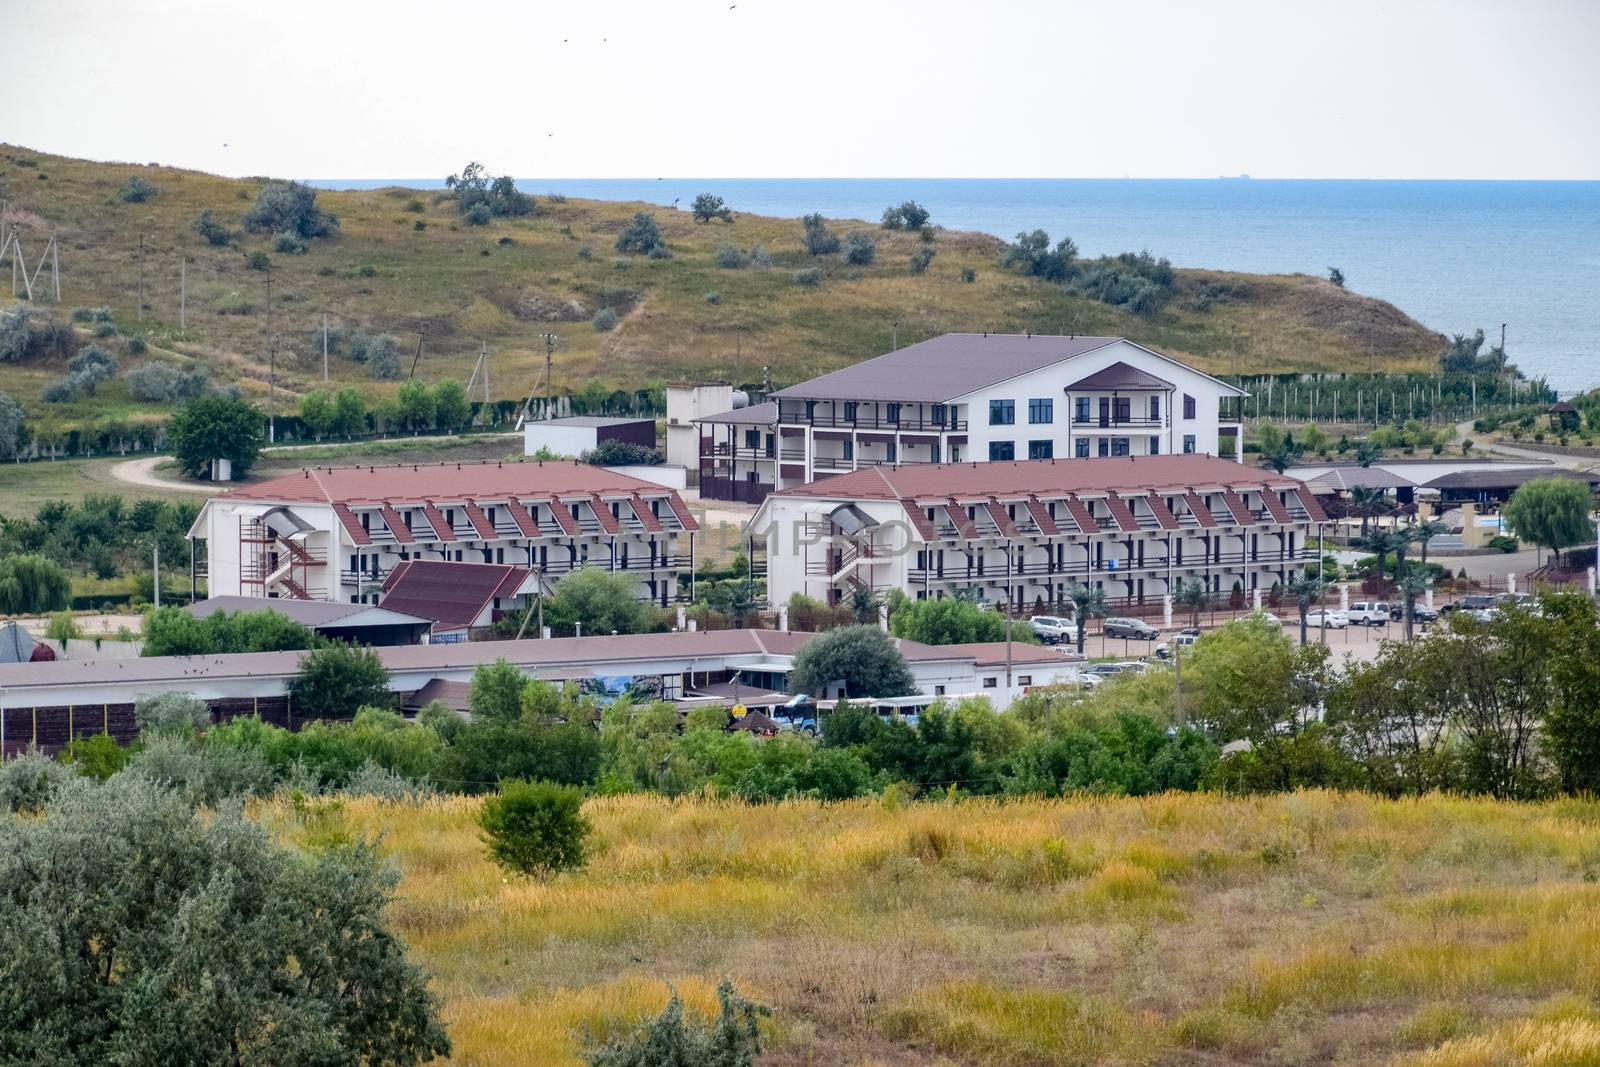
[
  {"x": 1053, "y": 629},
  {"x": 1268, "y": 617},
  {"x": 1371, "y": 612},
  {"x": 1333, "y": 620}
]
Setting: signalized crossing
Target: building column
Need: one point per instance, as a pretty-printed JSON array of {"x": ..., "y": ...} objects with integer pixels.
[{"x": 1166, "y": 607}]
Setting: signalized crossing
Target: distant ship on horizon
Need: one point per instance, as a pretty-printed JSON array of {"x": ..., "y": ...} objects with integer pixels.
[{"x": 1233, "y": 177}]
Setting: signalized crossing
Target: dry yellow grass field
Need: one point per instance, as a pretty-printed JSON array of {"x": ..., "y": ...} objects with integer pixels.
[{"x": 1181, "y": 929}]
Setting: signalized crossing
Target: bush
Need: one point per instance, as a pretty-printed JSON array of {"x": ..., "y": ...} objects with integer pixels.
[
  {"x": 819, "y": 240},
  {"x": 920, "y": 260},
  {"x": 337, "y": 680},
  {"x": 63, "y": 626},
  {"x": 909, "y": 215},
  {"x": 135, "y": 346},
  {"x": 288, "y": 244},
  {"x": 968, "y": 274},
  {"x": 213, "y": 231},
  {"x": 713, "y": 297},
  {"x": 605, "y": 320},
  {"x": 101, "y": 314},
  {"x": 32, "y": 584},
  {"x": 383, "y": 362},
  {"x": 1501, "y": 543},
  {"x": 729, "y": 257},
  {"x": 164, "y": 383},
  {"x": 105, "y": 329},
  {"x": 289, "y": 207},
  {"x": 733, "y": 1040},
  {"x": 707, "y": 207},
  {"x": 97, "y": 757},
  {"x": 614, "y": 453},
  {"x": 258, "y": 260},
  {"x": 1138, "y": 281},
  {"x": 760, "y": 257},
  {"x": 479, "y": 198},
  {"x": 810, "y": 277},
  {"x": 93, "y": 360},
  {"x": 28, "y": 782},
  {"x": 642, "y": 236},
  {"x": 168, "y": 714},
  {"x": 585, "y": 252},
  {"x": 136, "y": 191},
  {"x": 859, "y": 248},
  {"x": 1031, "y": 252},
  {"x": 29, "y": 334},
  {"x": 862, "y": 657},
  {"x": 478, "y": 215},
  {"x": 535, "y": 828},
  {"x": 660, "y": 251}
]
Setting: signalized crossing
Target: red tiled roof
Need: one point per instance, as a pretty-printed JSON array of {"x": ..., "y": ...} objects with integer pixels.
[
  {"x": 1042, "y": 478},
  {"x": 1041, "y": 517},
  {"x": 352, "y": 525},
  {"x": 1120, "y": 511},
  {"x": 602, "y": 512},
  {"x": 1197, "y": 508},
  {"x": 1275, "y": 506},
  {"x": 1312, "y": 505},
  {"x": 408, "y": 484},
  {"x": 1081, "y": 515},
  {"x": 523, "y": 518},
  {"x": 564, "y": 519},
  {"x": 453, "y": 595},
  {"x": 397, "y": 525},
  {"x": 436, "y": 519},
  {"x": 1241, "y": 514},
  {"x": 479, "y": 520},
  {"x": 1164, "y": 516},
  {"x": 958, "y": 517},
  {"x": 646, "y": 517},
  {"x": 681, "y": 510},
  {"x": 1002, "y": 521},
  {"x": 919, "y": 521}
]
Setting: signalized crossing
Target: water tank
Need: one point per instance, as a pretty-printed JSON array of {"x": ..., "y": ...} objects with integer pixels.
[{"x": 741, "y": 399}]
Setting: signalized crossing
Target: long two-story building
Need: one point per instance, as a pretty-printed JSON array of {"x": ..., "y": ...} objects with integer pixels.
[
  {"x": 336, "y": 533},
  {"x": 962, "y": 398},
  {"x": 1021, "y": 533}
]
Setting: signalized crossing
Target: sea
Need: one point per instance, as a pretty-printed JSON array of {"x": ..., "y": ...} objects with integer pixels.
[{"x": 1457, "y": 255}]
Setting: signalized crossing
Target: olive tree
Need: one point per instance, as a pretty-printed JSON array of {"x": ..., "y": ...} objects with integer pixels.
[
  {"x": 141, "y": 932},
  {"x": 861, "y": 658},
  {"x": 1551, "y": 512}
]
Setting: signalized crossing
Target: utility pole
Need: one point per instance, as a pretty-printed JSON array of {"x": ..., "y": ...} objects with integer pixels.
[
  {"x": 141, "y": 277},
  {"x": 549, "y": 384},
  {"x": 483, "y": 354},
  {"x": 269, "y": 301},
  {"x": 155, "y": 554},
  {"x": 272, "y": 391},
  {"x": 183, "y": 292},
  {"x": 324, "y": 348}
]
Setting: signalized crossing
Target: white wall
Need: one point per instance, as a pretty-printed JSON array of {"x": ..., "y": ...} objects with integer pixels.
[
  {"x": 562, "y": 440},
  {"x": 685, "y": 403},
  {"x": 668, "y": 474}
]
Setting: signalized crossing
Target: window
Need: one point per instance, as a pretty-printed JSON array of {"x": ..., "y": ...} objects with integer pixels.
[
  {"x": 891, "y": 451},
  {"x": 1041, "y": 449},
  {"x": 1155, "y": 445},
  {"x": 1105, "y": 446},
  {"x": 999, "y": 450},
  {"x": 1155, "y": 409},
  {"x": 1083, "y": 447},
  {"x": 1119, "y": 446},
  {"x": 1024, "y": 679},
  {"x": 939, "y": 415},
  {"x": 752, "y": 439},
  {"x": 1124, "y": 409},
  {"x": 1188, "y": 443},
  {"x": 1002, "y": 412},
  {"x": 894, "y": 414},
  {"x": 991, "y": 683},
  {"x": 1041, "y": 409},
  {"x": 849, "y": 450},
  {"x": 849, "y": 411},
  {"x": 1083, "y": 409},
  {"x": 938, "y": 690},
  {"x": 1188, "y": 406}
]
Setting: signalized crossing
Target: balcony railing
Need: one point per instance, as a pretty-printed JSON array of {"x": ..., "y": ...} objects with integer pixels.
[
  {"x": 869, "y": 421},
  {"x": 1080, "y": 568},
  {"x": 1109, "y": 423}
]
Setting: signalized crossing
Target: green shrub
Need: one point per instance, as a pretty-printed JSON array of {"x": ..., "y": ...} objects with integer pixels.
[
  {"x": 810, "y": 277},
  {"x": 29, "y": 781},
  {"x": 136, "y": 191},
  {"x": 213, "y": 231},
  {"x": 98, "y": 756},
  {"x": 182, "y": 714},
  {"x": 707, "y": 206},
  {"x": 288, "y": 244},
  {"x": 258, "y": 260},
  {"x": 733, "y": 1040},
  {"x": 968, "y": 274},
  {"x": 760, "y": 258},
  {"x": 135, "y": 346},
  {"x": 63, "y": 626},
  {"x": 289, "y": 207},
  {"x": 859, "y": 248},
  {"x": 535, "y": 828},
  {"x": 729, "y": 257},
  {"x": 105, "y": 329},
  {"x": 713, "y": 297},
  {"x": 642, "y": 236},
  {"x": 818, "y": 239},
  {"x": 1502, "y": 543},
  {"x": 478, "y": 215},
  {"x": 660, "y": 251},
  {"x": 605, "y": 320},
  {"x": 907, "y": 216},
  {"x": 920, "y": 260}
]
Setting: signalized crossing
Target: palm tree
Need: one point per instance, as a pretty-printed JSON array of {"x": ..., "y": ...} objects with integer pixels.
[
  {"x": 1426, "y": 531},
  {"x": 1366, "y": 501},
  {"x": 1305, "y": 589},
  {"x": 864, "y": 605},
  {"x": 1381, "y": 542},
  {"x": 1368, "y": 452},
  {"x": 1411, "y": 585},
  {"x": 1086, "y": 602},
  {"x": 1193, "y": 594}
]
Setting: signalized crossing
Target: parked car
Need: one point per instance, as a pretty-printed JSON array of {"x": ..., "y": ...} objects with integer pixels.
[
  {"x": 1089, "y": 680},
  {"x": 1269, "y": 618},
  {"x": 1134, "y": 666},
  {"x": 1420, "y": 612},
  {"x": 1052, "y": 629},
  {"x": 1108, "y": 670},
  {"x": 1332, "y": 620},
  {"x": 1472, "y": 602},
  {"x": 1370, "y": 613},
  {"x": 1135, "y": 628},
  {"x": 1180, "y": 640}
]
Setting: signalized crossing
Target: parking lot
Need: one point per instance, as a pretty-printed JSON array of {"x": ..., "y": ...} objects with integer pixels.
[{"x": 1353, "y": 642}]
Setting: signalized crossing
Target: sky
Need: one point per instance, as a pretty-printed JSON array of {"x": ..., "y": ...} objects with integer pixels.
[{"x": 821, "y": 88}]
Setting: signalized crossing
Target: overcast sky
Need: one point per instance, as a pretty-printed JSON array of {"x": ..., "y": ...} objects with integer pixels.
[{"x": 822, "y": 88}]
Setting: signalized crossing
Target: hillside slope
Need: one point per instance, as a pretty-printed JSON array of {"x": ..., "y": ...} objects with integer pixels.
[{"x": 404, "y": 263}]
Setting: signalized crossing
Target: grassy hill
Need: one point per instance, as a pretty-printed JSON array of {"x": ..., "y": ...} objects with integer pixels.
[
  {"x": 404, "y": 263},
  {"x": 1177, "y": 929}
]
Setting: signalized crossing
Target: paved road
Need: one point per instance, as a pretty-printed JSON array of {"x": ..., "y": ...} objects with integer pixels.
[{"x": 1577, "y": 463}]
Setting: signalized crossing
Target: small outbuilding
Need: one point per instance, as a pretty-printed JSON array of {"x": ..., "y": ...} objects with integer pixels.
[
  {"x": 362, "y": 624},
  {"x": 571, "y": 437},
  {"x": 1563, "y": 416}
]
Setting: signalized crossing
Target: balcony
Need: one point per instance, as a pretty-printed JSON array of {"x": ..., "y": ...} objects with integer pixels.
[
  {"x": 1108, "y": 423},
  {"x": 869, "y": 421},
  {"x": 1084, "y": 568}
]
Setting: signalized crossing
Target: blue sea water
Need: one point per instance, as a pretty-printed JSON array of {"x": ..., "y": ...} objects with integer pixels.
[{"x": 1457, "y": 255}]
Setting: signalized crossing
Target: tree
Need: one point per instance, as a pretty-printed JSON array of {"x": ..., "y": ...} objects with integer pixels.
[
  {"x": 174, "y": 631},
  {"x": 336, "y": 681},
  {"x": 1305, "y": 590},
  {"x": 32, "y": 585},
  {"x": 865, "y": 605},
  {"x": 601, "y": 601},
  {"x": 616, "y": 453},
  {"x": 642, "y": 237},
  {"x": 1192, "y": 594},
  {"x": 1366, "y": 501},
  {"x": 349, "y": 412},
  {"x": 213, "y": 231},
  {"x": 479, "y": 198},
  {"x": 1380, "y": 542},
  {"x": 216, "y": 427},
  {"x": 818, "y": 239},
  {"x": 859, "y": 248},
  {"x": 13, "y": 428},
  {"x": 1282, "y": 454},
  {"x": 1032, "y": 253},
  {"x": 496, "y": 692},
  {"x": 862, "y": 658},
  {"x": 945, "y": 621},
  {"x": 27, "y": 784},
  {"x": 289, "y": 207},
  {"x": 1336, "y": 276},
  {"x": 452, "y": 409},
  {"x": 256, "y": 954},
  {"x": 1087, "y": 602},
  {"x": 318, "y": 413},
  {"x": 1426, "y": 531},
  {"x": 1368, "y": 452},
  {"x": 1411, "y": 584},
  {"x": 415, "y": 400},
  {"x": 707, "y": 207},
  {"x": 732, "y": 1040},
  {"x": 1550, "y": 512},
  {"x": 535, "y": 828},
  {"x": 909, "y": 215},
  {"x": 1464, "y": 355},
  {"x": 1387, "y": 714},
  {"x": 164, "y": 714},
  {"x": 1571, "y": 727}
]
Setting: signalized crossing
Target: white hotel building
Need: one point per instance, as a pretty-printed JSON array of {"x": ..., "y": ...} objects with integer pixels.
[{"x": 961, "y": 398}]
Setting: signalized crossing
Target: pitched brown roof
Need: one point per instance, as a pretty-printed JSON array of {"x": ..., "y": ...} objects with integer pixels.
[
  {"x": 1118, "y": 375},
  {"x": 1173, "y": 473},
  {"x": 408, "y": 484},
  {"x": 453, "y": 595},
  {"x": 1197, "y": 508}
]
